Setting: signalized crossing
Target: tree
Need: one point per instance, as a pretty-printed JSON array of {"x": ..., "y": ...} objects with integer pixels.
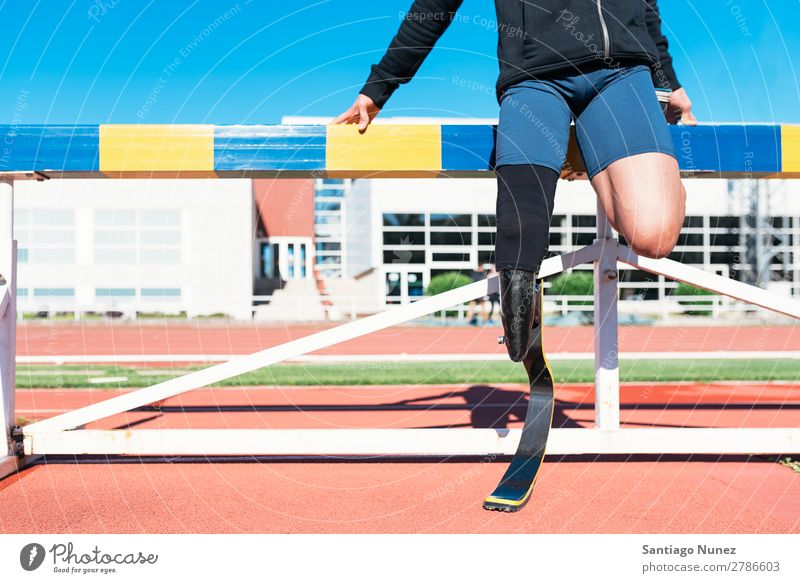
[
  {"x": 684, "y": 289},
  {"x": 576, "y": 283},
  {"x": 446, "y": 281}
]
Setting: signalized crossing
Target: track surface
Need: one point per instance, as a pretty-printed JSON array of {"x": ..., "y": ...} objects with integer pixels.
[
  {"x": 573, "y": 495},
  {"x": 156, "y": 338}
]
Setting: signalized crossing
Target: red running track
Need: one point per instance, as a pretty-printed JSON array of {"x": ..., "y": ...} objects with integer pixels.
[
  {"x": 203, "y": 337},
  {"x": 573, "y": 495}
]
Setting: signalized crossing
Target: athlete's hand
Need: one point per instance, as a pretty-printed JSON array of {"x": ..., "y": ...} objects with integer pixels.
[
  {"x": 679, "y": 108},
  {"x": 362, "y": 112}
]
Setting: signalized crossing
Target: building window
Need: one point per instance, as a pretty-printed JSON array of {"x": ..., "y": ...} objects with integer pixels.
[
  {"x": 404, "y": 237},
  {"x": 403, "y": 286},
  {"x": 302, "y": 259},
  {"x": 414, "y": 239},
  {"x": 399, "y": 256},
  {"x": 459, "y": 257},
  {"x": 53, "y": 292},
  {"x": 328, "y": 205},
  {"x": 161, "y": 293},
  {"x": 329, "y": 246},
  {"x": 441, "y": 220},
  {"x": 331, "y": 187},
  {"x": 588, "y": 221},
  {"x": 486, "y": 220},
  {"x": 690, "y": 239},
  {"x": 115, "y": 292},
  {"x": 137, "y": 236},
  {"x": 486, "y": 238},
  {"x": 269, "y": 256},
  {"x": 416, "y": 288},
  {"x": 485, "y": 257},
  {"x": 451, "y": 242},
  {"x": 160, "y": 255},
  {"x": 108, "y": 255},
  {"x": 329, "y": 220},
  {"x": 290, "y": 260},
  {"x": 451, "y": 238},
  {"x": 285, "y": 259},
  {"x": 394, "y": 290},
  {"x": 45, "y": 235},
  {"x": 403, "y": 220}
]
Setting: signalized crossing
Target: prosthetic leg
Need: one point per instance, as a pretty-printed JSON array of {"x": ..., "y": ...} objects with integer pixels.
[
  {"x": 524, "y": 209},
  {"x": 515, "y": 487}
]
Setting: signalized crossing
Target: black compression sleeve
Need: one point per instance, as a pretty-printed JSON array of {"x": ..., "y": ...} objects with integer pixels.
[{"x": 525, "y": 196}]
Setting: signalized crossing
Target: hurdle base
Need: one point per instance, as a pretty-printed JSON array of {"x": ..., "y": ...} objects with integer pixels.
[
  {"x": 11, "y": 464},
  {"x": 408, "y": 442}
]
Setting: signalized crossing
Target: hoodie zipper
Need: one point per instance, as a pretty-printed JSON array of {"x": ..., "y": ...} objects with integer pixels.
[{"x": 606, "y": 40}]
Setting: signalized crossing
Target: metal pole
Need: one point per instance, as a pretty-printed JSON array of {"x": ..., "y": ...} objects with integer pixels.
[
  {"x": 606, "y": 349},
  {"x": 8, "y": 315},
  {"x": 6, "y": 209}
]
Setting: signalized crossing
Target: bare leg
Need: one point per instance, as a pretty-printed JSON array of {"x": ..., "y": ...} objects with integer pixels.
[
  {"x": 645, "y": 201},
  {"x": 470, "y": 310}
]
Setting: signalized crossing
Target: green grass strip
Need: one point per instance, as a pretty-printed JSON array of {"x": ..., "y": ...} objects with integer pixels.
[{"x": 396, "y": 373}]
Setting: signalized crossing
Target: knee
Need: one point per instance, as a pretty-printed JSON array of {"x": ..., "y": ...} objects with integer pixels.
[
  {"x": 654, "y": 244},
  {"x": 654, "y": 232}
]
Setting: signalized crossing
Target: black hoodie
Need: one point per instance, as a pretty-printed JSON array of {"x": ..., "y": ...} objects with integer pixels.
[{"x": 535, "y": 38}]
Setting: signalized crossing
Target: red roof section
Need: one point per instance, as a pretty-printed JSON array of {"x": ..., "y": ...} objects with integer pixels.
[{"x": 285, "y": 206}]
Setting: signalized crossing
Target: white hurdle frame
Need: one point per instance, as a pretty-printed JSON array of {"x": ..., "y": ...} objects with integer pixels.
[
  {"x": 64, "y": 434},
  {"x": 9, "y": 461}
]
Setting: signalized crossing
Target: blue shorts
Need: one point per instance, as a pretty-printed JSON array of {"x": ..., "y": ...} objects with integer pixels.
[{"x": 616, "y": 114}]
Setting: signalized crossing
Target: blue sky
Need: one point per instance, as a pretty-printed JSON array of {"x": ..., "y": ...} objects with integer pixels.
[{"x": 222, "y": 61}]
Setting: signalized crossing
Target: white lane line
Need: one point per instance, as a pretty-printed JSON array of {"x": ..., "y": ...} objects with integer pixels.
[{"x": 403, "y": 357}]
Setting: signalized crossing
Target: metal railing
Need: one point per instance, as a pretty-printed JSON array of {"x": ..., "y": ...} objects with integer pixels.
[{"x": 351, "y": 307}]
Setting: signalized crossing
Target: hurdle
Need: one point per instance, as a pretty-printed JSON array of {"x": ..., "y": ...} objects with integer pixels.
[{"x": 446, "y": 151}]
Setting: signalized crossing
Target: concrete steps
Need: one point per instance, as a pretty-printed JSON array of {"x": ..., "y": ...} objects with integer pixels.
[{"x": 298, "y": 301}]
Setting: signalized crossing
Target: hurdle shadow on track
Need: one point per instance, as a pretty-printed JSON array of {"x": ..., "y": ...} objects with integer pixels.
[
  {"x": 489, "y": 407},
  {"x": 496, "y": 408}
]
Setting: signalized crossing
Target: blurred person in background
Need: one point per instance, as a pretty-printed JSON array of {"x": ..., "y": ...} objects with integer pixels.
[
  {"x": 494, "y": 297},
  {"x": 479, "y": 303}
]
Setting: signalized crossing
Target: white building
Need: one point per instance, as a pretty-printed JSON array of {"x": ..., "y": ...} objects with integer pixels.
[
  {"x": 161, "y": 246},
  {"x": 417, "y": 229}
]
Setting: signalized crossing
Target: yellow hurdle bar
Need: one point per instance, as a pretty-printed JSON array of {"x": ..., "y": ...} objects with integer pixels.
[{"x": 140, "y": 150}]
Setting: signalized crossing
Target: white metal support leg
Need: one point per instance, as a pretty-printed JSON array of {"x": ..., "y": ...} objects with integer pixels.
[
  {"x": 606, "y": 349},
  {"x": 775, "y": 302},
  {"x": 8, "y": 326}
]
